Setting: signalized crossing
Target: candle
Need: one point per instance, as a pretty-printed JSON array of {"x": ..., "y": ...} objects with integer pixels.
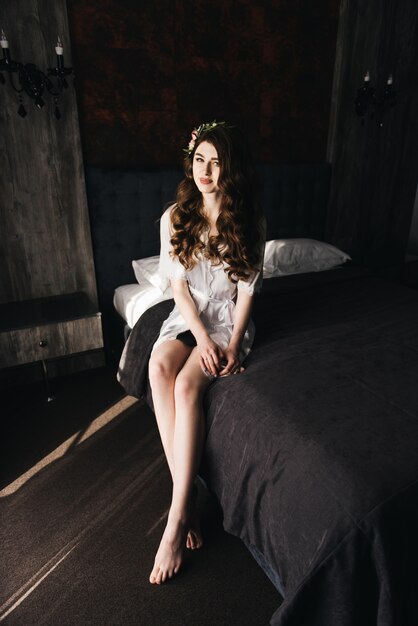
[
  {"x": 58, "y": 48},
  {"x": 60, "y": 54},
  {"x": 3, "y": 40},
  {"x": 5, "y": 47}
]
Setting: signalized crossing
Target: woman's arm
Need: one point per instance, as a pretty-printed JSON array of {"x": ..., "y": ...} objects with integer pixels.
[
  {"x": 210, "y": 353},
  {"x": 242, "y": 314}
]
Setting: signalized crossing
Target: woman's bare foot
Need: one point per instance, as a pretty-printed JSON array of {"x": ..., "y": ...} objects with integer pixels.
[
  {"x": 194, "y": 536},
  {"x": 169, "y": 555}
]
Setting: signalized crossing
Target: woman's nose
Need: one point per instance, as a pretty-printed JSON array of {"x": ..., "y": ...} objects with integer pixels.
[{"x": 208, "y": 167}]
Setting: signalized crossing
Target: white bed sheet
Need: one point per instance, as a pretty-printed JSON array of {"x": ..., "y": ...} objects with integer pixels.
[{"x": 131, "y": 301}]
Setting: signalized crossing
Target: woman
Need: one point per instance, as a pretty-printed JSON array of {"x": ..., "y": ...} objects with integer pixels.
[{"x": 212, "y": 245}]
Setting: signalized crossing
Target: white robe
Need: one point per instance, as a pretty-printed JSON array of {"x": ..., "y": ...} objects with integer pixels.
[{"x": 213, "y": 294}]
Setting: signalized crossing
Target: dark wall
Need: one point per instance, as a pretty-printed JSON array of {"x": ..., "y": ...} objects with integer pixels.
[
  {"x": 375, "y": 166},
  {"x": 149, "y": 71}
]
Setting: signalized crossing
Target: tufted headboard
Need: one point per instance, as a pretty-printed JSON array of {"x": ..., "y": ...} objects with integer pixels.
[{"x": 125, "y": 205}]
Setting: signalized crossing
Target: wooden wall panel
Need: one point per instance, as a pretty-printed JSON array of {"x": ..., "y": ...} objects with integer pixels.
[
  {"x": 149, "y": 72},
  {"x": 374, "y": 169},
  {"x": 45, "y": 247}
]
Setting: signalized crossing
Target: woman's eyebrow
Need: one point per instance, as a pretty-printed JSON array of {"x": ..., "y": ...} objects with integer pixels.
[{"x": 203, "y": 156}]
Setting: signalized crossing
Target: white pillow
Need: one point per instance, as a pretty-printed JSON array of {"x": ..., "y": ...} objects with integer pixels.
[
  {"x": 131, "y": 301},
  {"x": 146, "y": 271},
  {"x": 281, "y": 257},
  {"x": 297, "y": 256}
]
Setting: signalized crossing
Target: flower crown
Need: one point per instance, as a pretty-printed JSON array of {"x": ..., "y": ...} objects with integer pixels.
[{"x": 196, "y": 132}]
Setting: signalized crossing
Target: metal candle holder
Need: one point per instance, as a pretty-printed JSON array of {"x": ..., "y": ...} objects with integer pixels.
[{"x": 33, "y": 81}]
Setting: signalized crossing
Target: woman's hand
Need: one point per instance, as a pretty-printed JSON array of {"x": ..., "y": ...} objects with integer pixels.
[
  {"x": 210, "y": 355},
  {"x": 233, "y": 364}
]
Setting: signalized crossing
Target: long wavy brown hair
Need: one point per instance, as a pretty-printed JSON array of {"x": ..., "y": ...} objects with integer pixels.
[{"x": 239, "y": 223}]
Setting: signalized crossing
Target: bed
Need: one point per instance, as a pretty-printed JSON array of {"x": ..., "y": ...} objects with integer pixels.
[{"x": 312, "y": 451}]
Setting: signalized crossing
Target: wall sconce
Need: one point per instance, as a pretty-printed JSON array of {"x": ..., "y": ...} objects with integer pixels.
[
  {"x": 369, "y": 101},
  {"x": 34, "y": 81}
]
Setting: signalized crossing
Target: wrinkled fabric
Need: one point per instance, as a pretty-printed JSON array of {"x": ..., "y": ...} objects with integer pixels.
[{"x": 312, "y": 452}]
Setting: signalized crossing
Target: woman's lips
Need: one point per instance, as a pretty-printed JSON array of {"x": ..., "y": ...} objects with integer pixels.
[{"x": 205, "y": 181}]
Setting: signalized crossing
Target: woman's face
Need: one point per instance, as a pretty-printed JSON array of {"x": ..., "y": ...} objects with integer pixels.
[{"x": 206, "y": 168}]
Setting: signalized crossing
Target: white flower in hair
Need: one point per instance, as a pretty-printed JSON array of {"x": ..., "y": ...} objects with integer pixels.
[{"x": 196, "y": 132}]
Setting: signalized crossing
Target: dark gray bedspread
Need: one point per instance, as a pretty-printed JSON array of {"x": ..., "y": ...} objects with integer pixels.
[{"x": 312, "y": 452}]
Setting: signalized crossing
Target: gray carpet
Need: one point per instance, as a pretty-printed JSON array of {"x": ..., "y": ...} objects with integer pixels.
[{"x": 79, "y": 537}]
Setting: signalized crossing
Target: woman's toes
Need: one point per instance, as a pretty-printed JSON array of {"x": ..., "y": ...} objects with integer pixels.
[
  {"x": 170, "y": 552},
  {"x": 153, "y": 575},
  {"x": 192, "y": 542}
]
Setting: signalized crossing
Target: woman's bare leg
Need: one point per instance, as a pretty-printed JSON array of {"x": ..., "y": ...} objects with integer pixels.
[
  {"x": 165, "y": 363},
  {"x": 189, "y": 432}
]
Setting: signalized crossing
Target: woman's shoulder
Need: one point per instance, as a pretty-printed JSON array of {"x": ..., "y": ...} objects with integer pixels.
[
  {"x": 166, "y": 217},
  {"x": 168, "y": 210}
]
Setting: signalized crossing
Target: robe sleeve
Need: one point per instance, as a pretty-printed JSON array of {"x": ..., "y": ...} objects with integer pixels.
[{"x": 169, "y": 266}]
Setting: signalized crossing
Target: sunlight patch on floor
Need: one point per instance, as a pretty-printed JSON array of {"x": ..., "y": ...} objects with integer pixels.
[
  {"x": 158, "y": 522},
  {"x": 73, "y": 441},
  {"x": 137, "y": 488},
  {"x": 8, "y": 607}
]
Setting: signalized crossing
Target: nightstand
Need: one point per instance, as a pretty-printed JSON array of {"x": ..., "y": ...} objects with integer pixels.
[{"x": 46, "y": 328}]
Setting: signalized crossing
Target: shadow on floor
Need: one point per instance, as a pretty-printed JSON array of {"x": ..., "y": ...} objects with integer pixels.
[{"x": 79, "y": 538}]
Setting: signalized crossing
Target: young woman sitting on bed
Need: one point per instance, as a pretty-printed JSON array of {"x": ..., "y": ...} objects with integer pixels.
[{"x": 212, "y": 246}]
